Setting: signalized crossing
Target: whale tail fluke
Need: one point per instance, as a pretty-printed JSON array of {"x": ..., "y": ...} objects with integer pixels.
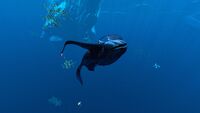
[{"x": 78, "y": 75}]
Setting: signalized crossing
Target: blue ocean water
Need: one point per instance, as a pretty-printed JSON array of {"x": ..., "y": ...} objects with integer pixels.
[{"x": 166, "y": 33}]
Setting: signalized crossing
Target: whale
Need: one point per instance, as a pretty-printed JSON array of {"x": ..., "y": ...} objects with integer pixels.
[{"x": 107, "y": 50}]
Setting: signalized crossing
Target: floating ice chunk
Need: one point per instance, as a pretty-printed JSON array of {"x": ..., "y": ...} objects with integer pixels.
[
  {"x": 156, "y": 66},
  {"x": 61, "y": 6},
  {"x": 55, "y": 101},
  {"x": 72, "y": 15},
  {"x": 55, "y": 11}
]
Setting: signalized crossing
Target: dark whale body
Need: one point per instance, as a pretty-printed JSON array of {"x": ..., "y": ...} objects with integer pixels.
[{"x": 107, "y": 51}]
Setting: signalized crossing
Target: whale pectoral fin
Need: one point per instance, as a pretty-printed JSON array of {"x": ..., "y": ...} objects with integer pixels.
[
  {"x": 78, "y": 74},
  {"x": 81, "y": 44}
]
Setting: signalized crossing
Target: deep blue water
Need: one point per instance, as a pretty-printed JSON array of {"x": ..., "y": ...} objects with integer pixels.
[{"x": 166, "y": 32}]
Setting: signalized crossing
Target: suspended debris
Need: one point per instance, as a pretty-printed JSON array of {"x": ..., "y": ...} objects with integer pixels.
[{"x": 55, "y": 101}]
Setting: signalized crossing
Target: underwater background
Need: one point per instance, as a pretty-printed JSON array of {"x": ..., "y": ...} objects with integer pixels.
[{"x": 159, "y": 73}]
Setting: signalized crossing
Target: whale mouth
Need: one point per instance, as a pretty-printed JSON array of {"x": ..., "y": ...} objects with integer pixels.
[{"x": 121, "y": 46}]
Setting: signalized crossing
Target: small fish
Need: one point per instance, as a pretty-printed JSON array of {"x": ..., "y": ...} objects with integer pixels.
[
  {"x": 156, "y": 66},
  {"x": 68, "y": 64}
]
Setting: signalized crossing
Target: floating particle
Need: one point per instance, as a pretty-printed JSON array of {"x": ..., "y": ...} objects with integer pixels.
[
  {"x": 55, "y": 101},
  {"x": 79, "y": 103},
  {"x": 156, "y": 66}
]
